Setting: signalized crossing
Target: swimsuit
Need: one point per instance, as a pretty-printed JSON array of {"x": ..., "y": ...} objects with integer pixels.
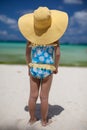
[{"x": 42, "y": 61}]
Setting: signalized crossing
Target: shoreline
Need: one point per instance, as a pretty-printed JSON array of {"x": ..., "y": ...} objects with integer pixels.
[{"x": 83, "y": 65}]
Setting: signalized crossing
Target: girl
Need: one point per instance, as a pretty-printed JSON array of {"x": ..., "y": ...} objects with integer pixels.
[{"x": 42, "y": 28}]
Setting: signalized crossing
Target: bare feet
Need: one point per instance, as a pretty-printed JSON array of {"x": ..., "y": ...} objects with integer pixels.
[
  {"x": 46, "y": 122},
  {"x": 32, "y": 121}
]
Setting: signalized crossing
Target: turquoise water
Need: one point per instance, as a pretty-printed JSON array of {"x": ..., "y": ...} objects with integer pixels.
[
  {"x": 12, "y": 53},
  {"x": 71, "y": 55}
]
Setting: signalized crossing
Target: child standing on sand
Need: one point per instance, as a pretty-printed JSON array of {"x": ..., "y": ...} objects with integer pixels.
[{"x": 42, "y": 29}]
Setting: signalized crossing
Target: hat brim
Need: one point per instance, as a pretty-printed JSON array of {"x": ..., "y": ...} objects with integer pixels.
[{"x": 53, "y": 33}]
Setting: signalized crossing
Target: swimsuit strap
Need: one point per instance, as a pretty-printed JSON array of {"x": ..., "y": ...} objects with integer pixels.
[{"x": 43, "y": 66}]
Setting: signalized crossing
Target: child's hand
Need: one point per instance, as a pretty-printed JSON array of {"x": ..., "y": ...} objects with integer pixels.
[{"x": 55, "y": 71}]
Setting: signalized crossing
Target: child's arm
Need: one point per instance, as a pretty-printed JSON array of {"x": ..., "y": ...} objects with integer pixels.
[
  {"x": 28, "y": 54},
  {"x": 57, "y": 57}
]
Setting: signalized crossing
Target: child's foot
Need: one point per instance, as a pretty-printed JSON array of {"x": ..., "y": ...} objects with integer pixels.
[
  {"x": 46, "y": 122},
  {"x": 32, "y": 121}
]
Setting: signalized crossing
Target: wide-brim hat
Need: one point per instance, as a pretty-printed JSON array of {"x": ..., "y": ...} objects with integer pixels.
[{"x": 43, "y": 26}]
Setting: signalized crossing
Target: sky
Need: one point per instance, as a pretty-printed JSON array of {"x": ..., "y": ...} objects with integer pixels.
[{"x": 11, "y": 10}]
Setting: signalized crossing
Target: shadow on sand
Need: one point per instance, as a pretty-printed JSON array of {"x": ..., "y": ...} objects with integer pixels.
[{"x": 53, "y": 110}]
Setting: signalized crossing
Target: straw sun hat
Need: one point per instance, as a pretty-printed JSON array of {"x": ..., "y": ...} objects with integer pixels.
[{"x": 43, "y": 26}]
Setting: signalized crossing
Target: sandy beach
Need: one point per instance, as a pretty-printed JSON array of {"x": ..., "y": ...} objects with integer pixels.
[{"x": 67, "y": 99}]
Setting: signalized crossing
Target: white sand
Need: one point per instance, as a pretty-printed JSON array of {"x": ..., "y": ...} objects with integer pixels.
[{"x": 67, "y": 100}]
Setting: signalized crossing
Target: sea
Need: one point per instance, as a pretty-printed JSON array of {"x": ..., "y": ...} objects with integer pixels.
[{"x": 71, "y": 54}]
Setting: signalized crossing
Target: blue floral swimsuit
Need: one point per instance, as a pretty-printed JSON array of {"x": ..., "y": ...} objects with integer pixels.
[{"x": 42, "y": 61}]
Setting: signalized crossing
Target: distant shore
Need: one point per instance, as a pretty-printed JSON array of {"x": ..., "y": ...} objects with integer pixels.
[{"x": 61, "y": 43}]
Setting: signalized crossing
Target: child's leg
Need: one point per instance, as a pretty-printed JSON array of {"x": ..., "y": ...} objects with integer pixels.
[
  {"x": 34, "y": 90},
  {"x": 44, "y": 94}
]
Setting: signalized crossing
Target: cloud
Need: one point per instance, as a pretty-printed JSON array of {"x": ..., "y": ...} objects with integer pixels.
[
  {"x": 80, "y": 17},
  {"x": 12, "y": 23},
  {"x": 10, "y": 28},
  {"x": 77, "y": 28},
  {"x": 7, "y": 20},
  {"x": 60, "y": 7},
  {"x": 73, "y": 1},
  {"x": 79, "y": 21},
  {"x": 3, "y": 33},
  {"x": 22, "y": 12}
]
